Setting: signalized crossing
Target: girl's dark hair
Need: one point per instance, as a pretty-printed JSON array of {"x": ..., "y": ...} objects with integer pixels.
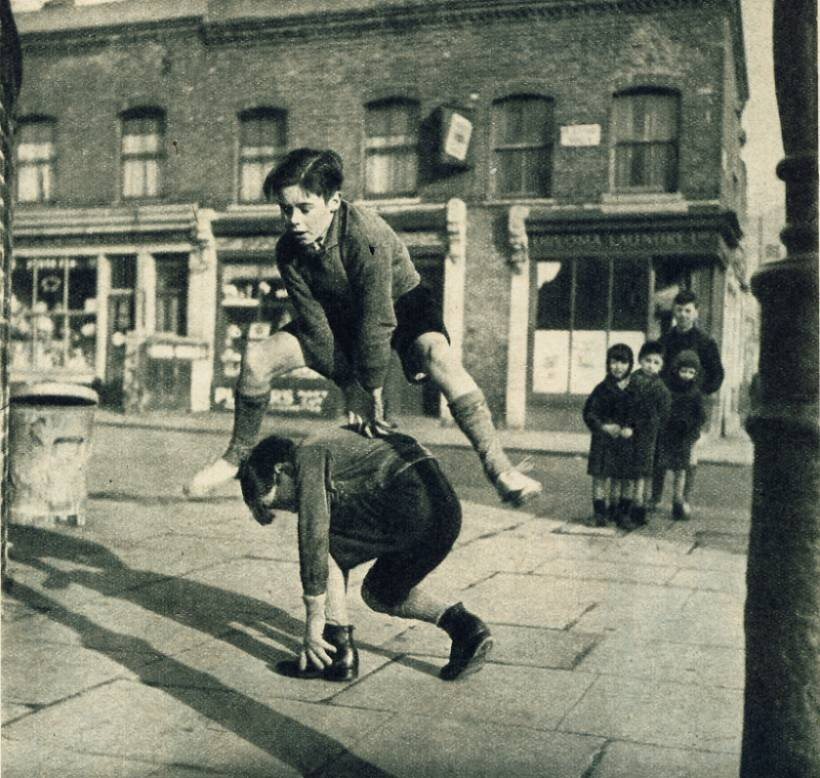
[
  {"x": 621, "y": 352},
  {"x": 317, "y": 172},
  {"x": 256, "y": 473},
  {"x": 650, "y": 347},
  {"x": 684, "y": 297}
]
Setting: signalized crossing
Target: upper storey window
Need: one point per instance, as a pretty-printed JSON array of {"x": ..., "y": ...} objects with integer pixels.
[
  {"x": 645, "y": 137},
  {"x": 391, "y": 130},
  {"x": 35, "y": 159},
  {"x": 142, "y": 152},
  {"x": 522, "y": 145},
  {"x": 262, "y": 143}
]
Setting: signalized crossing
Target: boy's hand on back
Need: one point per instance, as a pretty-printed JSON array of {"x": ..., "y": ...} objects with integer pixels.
[{"x": 375, "y": 425}]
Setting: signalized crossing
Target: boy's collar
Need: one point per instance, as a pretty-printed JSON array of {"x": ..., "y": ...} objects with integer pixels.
[{"x": 331, "y": 238}]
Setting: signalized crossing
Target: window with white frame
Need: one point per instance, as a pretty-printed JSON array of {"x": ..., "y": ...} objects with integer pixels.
[
  {"x": 35, "y": 158},
  {"x": 522, "y": 146},
  {"x": 142, "y": 151},
  {"x": 645, "y": 141},
  {"x": 391, "y": 131},
  {"x": 262, "y": 144}
]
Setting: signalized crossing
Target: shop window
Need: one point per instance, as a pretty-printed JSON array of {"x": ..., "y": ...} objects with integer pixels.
[
  {"x": 645, "y": 133},
  {"x": 262, "y": 144},
  {"x": 35, "y": 159},
  {"x": 54, "y": 315},
  {"x": 391, "y": 148},
  {"x": 142, "y": 151},
  {"x": 172, "y": 294},
  {"x": 522, "y": 146},
  {"x": 584, "y": 306}
]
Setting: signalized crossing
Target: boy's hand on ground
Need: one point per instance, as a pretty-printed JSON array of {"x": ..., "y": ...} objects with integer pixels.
[{"x": 315, "y": 649}]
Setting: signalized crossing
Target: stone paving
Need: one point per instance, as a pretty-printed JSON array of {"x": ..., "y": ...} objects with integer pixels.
[{"x": 144, "y": 644}]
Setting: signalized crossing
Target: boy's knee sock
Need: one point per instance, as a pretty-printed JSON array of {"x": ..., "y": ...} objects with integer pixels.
[
  {"x": 417, "y": 605},
  {"x": 247, "y": 419},
  {"x": 472, "y": 415},
  {"x": 689, "y": 483}
]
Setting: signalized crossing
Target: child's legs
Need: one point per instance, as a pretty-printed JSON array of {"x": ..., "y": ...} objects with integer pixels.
[
  {"x": 614, "y": 491},
  {"x": 627, "y": 489},
  {"x": 262, "y": 361},
  {"x": 600, "y": 487},
  {"x": 642, "y": 487},
  {"x": 679, "y": 485},
  {"x": 433, "y": 353}
]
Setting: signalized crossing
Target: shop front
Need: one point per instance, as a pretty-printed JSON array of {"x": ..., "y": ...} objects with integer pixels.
[{"x": 594, "y": 283}]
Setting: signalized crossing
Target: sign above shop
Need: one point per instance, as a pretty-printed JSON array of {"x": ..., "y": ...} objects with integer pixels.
[
  {"x": 581, "y": 135},
  {"x": 666, "y": 241}
]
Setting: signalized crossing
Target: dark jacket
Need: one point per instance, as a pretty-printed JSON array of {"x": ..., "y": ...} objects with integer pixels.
[
  {"x": 608, "y": 404},
  {"x": 344, "y": 296},
  {"x": 675, "y": 341},
  {"x": 651, "y": 401},
  {"x": 687, "y": 414},
  {"x": 344, "y": 488}
]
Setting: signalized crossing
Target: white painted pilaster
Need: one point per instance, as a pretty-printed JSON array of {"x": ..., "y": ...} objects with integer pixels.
[
  {"x": 103, "y": 289},
  {"x": 454, "y": 276},
  {"x": 146, "y": 293},
  {"x": 518, "y": 329},
  {"x": 202, "y": 302}
]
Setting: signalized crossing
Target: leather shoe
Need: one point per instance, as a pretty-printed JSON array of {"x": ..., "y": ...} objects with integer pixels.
[{"x": 471, "y": 645}]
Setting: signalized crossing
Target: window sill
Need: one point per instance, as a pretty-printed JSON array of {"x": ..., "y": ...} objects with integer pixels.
[
  {"x": 539, "y": 201},
  {"x": 643, "y": 201},
  {"x": 379, "y": 202},
  {"x": 252, "y": 209}
]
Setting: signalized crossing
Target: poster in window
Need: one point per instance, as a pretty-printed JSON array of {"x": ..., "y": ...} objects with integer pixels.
[
  {"x": 587, "y": 360},
  {"x": 550, "y": 364}
]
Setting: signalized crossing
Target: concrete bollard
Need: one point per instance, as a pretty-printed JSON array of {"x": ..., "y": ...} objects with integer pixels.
[{"x": 50, "y": 428}]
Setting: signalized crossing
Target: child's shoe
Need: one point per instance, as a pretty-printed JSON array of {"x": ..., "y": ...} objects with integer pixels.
[
  {"x": 638, "y": 516},
  {"x": 681, "y": 511},
  {"x": 516, "y": 488},
  {"x": 599, "y": 513},
  {"x": 471, "y": 645}
]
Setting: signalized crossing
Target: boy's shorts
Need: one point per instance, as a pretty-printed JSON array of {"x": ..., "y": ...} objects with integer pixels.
[{"x": 417, "y": 312}]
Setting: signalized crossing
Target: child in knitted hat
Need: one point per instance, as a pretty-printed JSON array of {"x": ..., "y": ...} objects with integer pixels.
[
  {"x": 687, "y": 415},
  {"x": 607, "y": 413}
]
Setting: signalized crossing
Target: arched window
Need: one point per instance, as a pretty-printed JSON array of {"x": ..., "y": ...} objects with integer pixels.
[
  {"x": 35, "y": 159},
  {"x": 391, "y": 130},
  {"x": 522, "y": 145},
  {"x": 262, "y": 143},
  {"x": 645, "y": 140},
  {"x": 142, "y": 151}
]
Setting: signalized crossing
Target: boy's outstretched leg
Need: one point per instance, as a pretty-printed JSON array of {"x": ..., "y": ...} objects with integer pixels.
[
  {"x": 471, "y": 413},
  {"x": 262, "y": 361}
]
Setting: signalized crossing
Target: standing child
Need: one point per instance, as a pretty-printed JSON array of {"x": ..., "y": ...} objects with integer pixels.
[
  {"x": 650, "y": 407},
  {"x": 607, "y": 413},
  {"x": 687, "y": 415}
]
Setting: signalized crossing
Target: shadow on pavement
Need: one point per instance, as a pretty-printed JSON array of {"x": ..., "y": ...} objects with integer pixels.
[{"x": 209, "y": 609}]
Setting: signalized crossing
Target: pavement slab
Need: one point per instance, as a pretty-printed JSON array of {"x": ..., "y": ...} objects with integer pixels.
[
  {"x": 197, "y": 728},
  {"x": 605, "y": 570},
  {"x": 727, "y": 581},
  {"x": 631, "y": 760},
  {"x": 621, "y": 654},
  {"x": 529, "y": 697},
  {"x": 660, "y": 713},
  {"x": 429, "y": 748},
  {"x": 523, "y": 646}
]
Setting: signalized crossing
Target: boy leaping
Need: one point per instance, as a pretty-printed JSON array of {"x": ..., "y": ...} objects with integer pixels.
[{"x": 356, "y": 294}]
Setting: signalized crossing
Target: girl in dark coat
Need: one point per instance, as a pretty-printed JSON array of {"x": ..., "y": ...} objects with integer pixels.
[
  {"x": 607, "y": 413},
  {"x": 650, "y": 408},
  {"x": 687, "y": 415}
]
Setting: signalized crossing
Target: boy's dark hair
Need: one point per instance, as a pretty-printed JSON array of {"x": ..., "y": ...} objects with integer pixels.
[
  {"x": 650, "y": 347},
  {"x": 684, "y": 297},
  {"x": 622, "y": 353},
  {"x": 256, "y": 473},
  {"x": 318, "y": 172}
]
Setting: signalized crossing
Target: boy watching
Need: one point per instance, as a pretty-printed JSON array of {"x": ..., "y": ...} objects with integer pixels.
[
  {"x": 356, "y": 294},
  {"x": 358, "y": 499},
  {"x": 685, "y": 335},
  {"x": 650, "y": 402}
]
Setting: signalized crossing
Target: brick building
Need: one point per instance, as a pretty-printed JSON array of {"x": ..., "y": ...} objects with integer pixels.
[{"x": 557, "y": 168}]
